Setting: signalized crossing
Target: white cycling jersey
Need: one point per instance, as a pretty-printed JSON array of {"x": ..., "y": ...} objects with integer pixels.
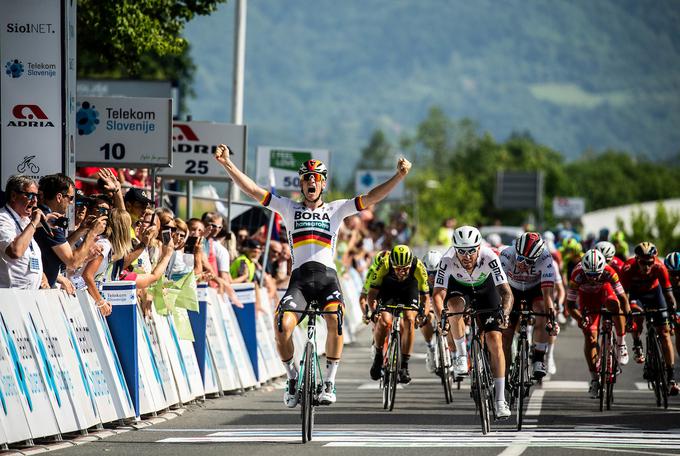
[
  {"x": 312, "y": 233},
  {"x": 523, "y": 276},
  {"x": 558, "y": 276},
  {"x": 488, "y": 265}
]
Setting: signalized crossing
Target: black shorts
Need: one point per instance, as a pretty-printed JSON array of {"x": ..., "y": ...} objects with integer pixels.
[
  {"x": 653, "y": 299},
  {"x": 312, "y": 282},
  {"x": 529, "y": 296},
  {"x": 395, "y": 292},
  {"x": 483, "y": 297}
]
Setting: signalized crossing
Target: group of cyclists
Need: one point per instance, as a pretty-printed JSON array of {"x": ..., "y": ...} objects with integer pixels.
[{"x": 483, "y": 275}]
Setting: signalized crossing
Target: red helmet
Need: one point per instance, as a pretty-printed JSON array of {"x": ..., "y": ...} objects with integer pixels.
[
  {"x": 313, "y": 166},
  {"x": 529, "y": 245}
]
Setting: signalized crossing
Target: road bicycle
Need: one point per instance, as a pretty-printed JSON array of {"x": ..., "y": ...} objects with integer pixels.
[
  {"x": 655, "y": 368},
  {"x": 310, "y": 378},
  {"x": 608, "y": 367},
  {"x": 520, "y": 379},
  {"x": 481, "y": 388}
]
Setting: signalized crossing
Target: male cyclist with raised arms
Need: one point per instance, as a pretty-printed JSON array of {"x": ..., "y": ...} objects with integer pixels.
[
  {"x": 312, "y": 227},
  {"x": 672, "y": 263},
  {"x": 431, "y": 263},
  {"x": 646, "y": 280},
  {"x": 471, "y": 274},
  {"x": 399, "y": 279},
  {"x": 596, "y": 285},
  {"x": 531, "y": 275}
]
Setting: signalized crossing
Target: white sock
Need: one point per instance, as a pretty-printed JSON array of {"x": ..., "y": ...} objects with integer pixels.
[
  {"x": 540, "y": 346},
  {"x": 550, "y": 351},
  {"x": 499, "y": 384},
  {"x": 461, "y": 347},
  {"x": 291, "y": 368},
  {"x": 620, "y": 340},
  {"x": 331, "y": 369},
  {"x": 429, "y": 344}
]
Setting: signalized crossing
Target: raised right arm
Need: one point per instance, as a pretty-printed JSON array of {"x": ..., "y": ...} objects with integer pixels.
[{"x": 245, "y": 183}]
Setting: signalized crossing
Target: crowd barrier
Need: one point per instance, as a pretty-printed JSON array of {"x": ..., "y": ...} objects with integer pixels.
[{"x": 64, "y": 368}]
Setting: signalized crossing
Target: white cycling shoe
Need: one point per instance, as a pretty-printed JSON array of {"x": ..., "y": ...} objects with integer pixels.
[
  {"x": 460, "y": 366},
  {"x": 622, "y": 354},
  {"x": 327, "y": 395},
  {"x": 290, "y": 395},
  {"x": 502, "y": 410}
]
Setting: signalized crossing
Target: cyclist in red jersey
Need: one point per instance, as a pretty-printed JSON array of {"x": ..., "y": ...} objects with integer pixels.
[
  {"x": 595, "y": 284},
  {"x": 646, "y": 280}
]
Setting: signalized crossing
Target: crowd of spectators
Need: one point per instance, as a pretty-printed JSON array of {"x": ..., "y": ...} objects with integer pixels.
[{"x": 117, "y": 234}]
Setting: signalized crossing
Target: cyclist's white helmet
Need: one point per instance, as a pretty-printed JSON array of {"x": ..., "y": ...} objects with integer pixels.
[
  {"x": 466, "y": 237},
  {"x": 607, "y": 249},
  {"x": 593, "y": 262},
  {"x": 431, "y": 260},
  {"x": 494, "y": 239}
]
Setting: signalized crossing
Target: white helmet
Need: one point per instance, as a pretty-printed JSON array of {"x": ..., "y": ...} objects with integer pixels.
[
  {"x": 607, "y": 249},
  {"x": 593, "y": 262},
  {"x": 466, "y": 237},
  {"x": 494, "y": 239},
  {"x": 431, "y": 260}
]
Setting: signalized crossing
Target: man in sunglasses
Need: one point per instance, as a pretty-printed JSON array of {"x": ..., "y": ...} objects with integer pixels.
[
  {"x": 646, "y": 279},
  {"x": 312, "y": 226},
  {"x": 57, "y": 193},
  {"x": 531, "y": 275},
  {"x": 471, "y": 275},
  {"x": 596, "y": 285}
]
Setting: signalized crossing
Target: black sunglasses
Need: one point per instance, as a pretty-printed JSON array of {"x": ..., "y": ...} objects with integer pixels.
[{"x": 29, "y": 195}]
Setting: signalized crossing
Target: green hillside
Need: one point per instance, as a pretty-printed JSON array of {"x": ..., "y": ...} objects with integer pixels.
[{"x": 576, "y": 75}]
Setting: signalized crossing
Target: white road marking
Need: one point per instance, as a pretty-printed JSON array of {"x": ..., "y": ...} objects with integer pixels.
[
  {"x": 563, "y": 385},
  {"x": 535, "y": 403}
]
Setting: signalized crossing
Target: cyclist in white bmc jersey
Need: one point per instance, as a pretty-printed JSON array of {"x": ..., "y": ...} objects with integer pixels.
[
  {"x": 531, "y": 275},
  {"x": 312, "y": 227},
  {"x": 472, "y": 274}
]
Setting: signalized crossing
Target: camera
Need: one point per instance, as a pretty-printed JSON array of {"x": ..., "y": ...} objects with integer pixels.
[{"x": 61, "y": 222}]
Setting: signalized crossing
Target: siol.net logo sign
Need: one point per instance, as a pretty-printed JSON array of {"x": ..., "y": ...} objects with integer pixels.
[
  {"x": 87, "y": 118},
  {"x": 29, "y": 116},
  {"x": 14, "y": 68}
]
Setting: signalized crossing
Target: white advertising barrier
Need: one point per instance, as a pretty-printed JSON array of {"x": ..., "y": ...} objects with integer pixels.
[
  {"x": 68, "y": 357},
  {"x": 102, "y": 392},
  {"x": 174, "y": 354},
  {"x": 211, "y": 384},
  {"x": 237, "y": 346},
  {"x": 34, "y": 394},
  {"x": 265, "y": 321},
  {"x": 188, "y": 359},
  {"x": 105, "y": 352},
  {"x": 15, "y": 395},
  {"x": 219, "y": 347},
  {"x": 351, "y": 291},
  {"x": 151, "y": 395},
  {"x": 162, "y": 361}
]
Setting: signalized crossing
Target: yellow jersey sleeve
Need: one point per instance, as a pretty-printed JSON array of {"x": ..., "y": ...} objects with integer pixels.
[
  {"x": 381, "y": 270},
  {"x": 421, "y": 277}
]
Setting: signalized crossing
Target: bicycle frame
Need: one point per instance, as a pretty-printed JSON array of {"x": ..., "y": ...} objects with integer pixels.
[
  {"x": 391, "y": 357},
  {"x": 443, "y": 366},
  {"x": 655, "y": 364}
]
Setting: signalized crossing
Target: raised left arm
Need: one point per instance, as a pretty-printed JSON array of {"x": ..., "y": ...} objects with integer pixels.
[{"x": 379, "y": 192}]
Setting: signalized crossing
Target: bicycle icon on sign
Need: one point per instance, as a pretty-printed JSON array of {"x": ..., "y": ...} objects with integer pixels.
[{"x": 28, "y": 164}]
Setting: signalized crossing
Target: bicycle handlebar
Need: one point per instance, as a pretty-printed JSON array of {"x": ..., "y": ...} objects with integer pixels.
[{"x": 314, "y": 312}]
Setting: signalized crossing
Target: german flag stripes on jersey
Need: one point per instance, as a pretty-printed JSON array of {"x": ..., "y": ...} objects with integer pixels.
[{"x": 312, "y": 233}]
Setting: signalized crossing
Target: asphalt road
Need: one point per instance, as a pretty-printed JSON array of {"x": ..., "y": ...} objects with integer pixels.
[{"x": 561, "y": 418}]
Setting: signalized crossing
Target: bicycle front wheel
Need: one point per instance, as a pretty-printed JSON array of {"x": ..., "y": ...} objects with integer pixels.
[
  {"x": 603, "y": 354},
  {"x": 523, "y": 379},
  {"x": 307, "y": 399},
  {"x": 480, "y": 387},
  {"x": 660, "y": 371},
  {"x": 444, "y": 361},
  {"x": 612, "y": 368},
  {"x": 394, "y": 355}
]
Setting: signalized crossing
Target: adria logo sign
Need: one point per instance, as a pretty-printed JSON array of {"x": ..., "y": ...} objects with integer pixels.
[
  {"x": 183, "y": 134},
  {"x": 29, "y": 116}
]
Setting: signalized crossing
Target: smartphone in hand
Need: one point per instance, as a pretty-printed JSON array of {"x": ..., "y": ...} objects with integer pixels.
[{"x": 165, "y": 236}]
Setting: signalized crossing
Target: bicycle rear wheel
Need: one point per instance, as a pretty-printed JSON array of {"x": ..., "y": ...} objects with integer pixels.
[
  {"x": 394, "y": 355},
  {"x": 480, "y": 387},
  {"x": 308, "y": 387},
  {"x": 444, "y": 361},
  {"x": 523, "y": 380}
]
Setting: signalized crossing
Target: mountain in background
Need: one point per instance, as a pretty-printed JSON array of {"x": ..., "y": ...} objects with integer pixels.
[{"x": 324, "y": 74}]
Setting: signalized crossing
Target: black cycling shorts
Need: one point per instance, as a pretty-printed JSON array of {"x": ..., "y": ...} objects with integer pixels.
[
  {"x": 483, "y": 297},
  {"x": 653, "y": 299},
  {"x": 529, "y": 296},
  {"x": 312, "y": 282}
]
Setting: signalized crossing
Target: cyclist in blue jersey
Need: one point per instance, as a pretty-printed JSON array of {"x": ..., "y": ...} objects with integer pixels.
[{"x": 312, "y": 226}]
